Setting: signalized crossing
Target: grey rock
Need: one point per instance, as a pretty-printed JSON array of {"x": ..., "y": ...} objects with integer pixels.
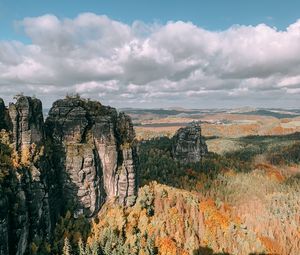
[
  {"x": 96, "y": 159},
  {"x": 2, "y": 114},
  {"x": 82, "y": 156},
  {"x": 4, "y": 118},
  {"x": 27, "y": 122},
  {"x": 26, "y": 200},
  {"x": 188, "y": 145},
  {"x": 4, "y": 227}
]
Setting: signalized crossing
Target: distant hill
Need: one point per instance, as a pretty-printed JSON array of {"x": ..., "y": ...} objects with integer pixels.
[
  {"x": 181, "y": 112},
  {"x": 280, "y": 114}
]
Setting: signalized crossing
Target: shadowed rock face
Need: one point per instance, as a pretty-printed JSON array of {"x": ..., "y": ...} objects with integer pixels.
[
  {"x": 4, "y": 226},
  {"x": 28, "y": 214},
  {"x": 2, "y": 114},
  {"x": 4, "y": 119},
  {"x": 79, "y": 158},
  {"x": 93, "y": 153},
  {"x": 188, "y": 145}
]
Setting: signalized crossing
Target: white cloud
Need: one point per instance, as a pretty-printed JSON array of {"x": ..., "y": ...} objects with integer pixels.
[{"x": 153, "y": 65}]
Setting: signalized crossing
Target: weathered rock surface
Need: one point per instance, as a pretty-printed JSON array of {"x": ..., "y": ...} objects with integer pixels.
[
  {"x": 92, "y": 145},
  {"x": 4, "y": 120},
  {"x": 4, "y": 226},
  {"x": 2, "y": 112},
  {"x": 27, "y": 121},
  {"x": 188, "y": 145},
  {"x": 4, "y": 231},
  {"x": 25, "y": 191},
  {"x": 82, "y": 156}
]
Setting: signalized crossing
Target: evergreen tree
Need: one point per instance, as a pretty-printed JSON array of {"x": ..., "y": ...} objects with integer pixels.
[
  {"x": 81, "y": 248},
  {"x": 95, "y": 248},
  {"x": 67, "y": 247}
]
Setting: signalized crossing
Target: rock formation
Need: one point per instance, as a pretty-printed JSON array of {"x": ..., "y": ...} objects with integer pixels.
[
  {"x": 93, "y": 151},
  {"x": 27, "y": 122},
  {"x": 3, "y": 196},
  {"x": 4, "y": 120},
  {"x": 26, "y": 199},
  {"x": 82, "y": 156},
  {"x": 188, "y": 145}
]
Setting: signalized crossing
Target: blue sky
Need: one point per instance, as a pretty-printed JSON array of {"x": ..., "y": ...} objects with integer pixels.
[
  {"x": 213, "y": 14},
  {"x": 193, "y": 54}
]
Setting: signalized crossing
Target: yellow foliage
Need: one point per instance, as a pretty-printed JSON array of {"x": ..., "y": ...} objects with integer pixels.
[
  {"x": 4, "y": 137},
  {"x": 213, "y": 217},
  {"x": 25, "y": 156},
  {"x": 33, "y": 248},
  {"x": 167, "y": 246},
  {"x": 15, "y": 159}
]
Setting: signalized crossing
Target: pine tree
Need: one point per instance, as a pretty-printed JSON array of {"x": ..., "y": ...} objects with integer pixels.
[
  {"x": 95, "y": 248},
  {"x": 88, "y": 250},
  {"x": 151, "y": 248},
  {"x": 67, "y": 247},
  {"x": 81, "y": 248}
]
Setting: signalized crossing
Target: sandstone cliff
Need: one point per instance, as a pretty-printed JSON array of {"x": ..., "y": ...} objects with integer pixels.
[
  {"x": 188, "y": 145},
  {"x": 82, "y": 156},
  {"x": 92, "y": 152},
  {"x": 24, "y": 191},
  {"x": 4, "y": 119}
]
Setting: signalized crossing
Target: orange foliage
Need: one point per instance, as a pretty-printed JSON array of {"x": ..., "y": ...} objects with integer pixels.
[
  {"x": 213, "y": 217},
  {"x": 232, "y": 130},
  {"x": 279, "y": 130},
  {"x": 167, "y": 246},
  {"x": 25, "y": 156},
  {"x": 15, "y": 159},
  {"x": 272, "y": 247},
  {"x": 271, "y": 171},
  {"x": 228, "y": 172},
  {"x": 184, "y": 221}
]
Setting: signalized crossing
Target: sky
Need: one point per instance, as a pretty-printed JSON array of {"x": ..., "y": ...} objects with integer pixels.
[{"x": 151, "y": 54}]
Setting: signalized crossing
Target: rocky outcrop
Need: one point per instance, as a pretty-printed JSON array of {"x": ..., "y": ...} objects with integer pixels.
[
  {"x": 188, "y": 145},
  {"x": 2, "y": 114},
  {"x": 29, "y": 211},
  {"x": 24, "y": 190},
  {"x": 94, "y": 156},
  {"x": 82, "y": 156},
  {"x": 4, "y": 225},
  {"x": 4, "y": 119},
  {"x": 27, "y": 122},
  {"x": 126, "y": 175}
]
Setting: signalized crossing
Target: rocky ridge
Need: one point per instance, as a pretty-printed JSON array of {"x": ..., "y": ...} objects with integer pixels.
[
  {"x": 93, "y": 153},
  {"x": 80, "y": 157}
]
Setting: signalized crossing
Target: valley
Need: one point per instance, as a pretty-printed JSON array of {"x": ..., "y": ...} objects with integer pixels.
[{"x": 88, "y": 181}]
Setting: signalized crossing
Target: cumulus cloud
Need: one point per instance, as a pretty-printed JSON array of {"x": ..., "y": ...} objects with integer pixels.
[{"x": 153, "y": 65}]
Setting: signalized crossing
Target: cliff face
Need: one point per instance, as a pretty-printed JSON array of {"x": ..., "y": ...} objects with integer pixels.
[
  {"x": 81, "y": 157},
  {"x": 27, "y": 122},
  {"x": 24, "y": 190},
  {"x": 188, "y": 145},
  {"x": 4, "y": 119},
  {"x": 93, "y": 153}
]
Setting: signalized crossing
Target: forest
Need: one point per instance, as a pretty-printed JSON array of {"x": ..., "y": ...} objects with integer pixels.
[{"x": 243, "y": 202}]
